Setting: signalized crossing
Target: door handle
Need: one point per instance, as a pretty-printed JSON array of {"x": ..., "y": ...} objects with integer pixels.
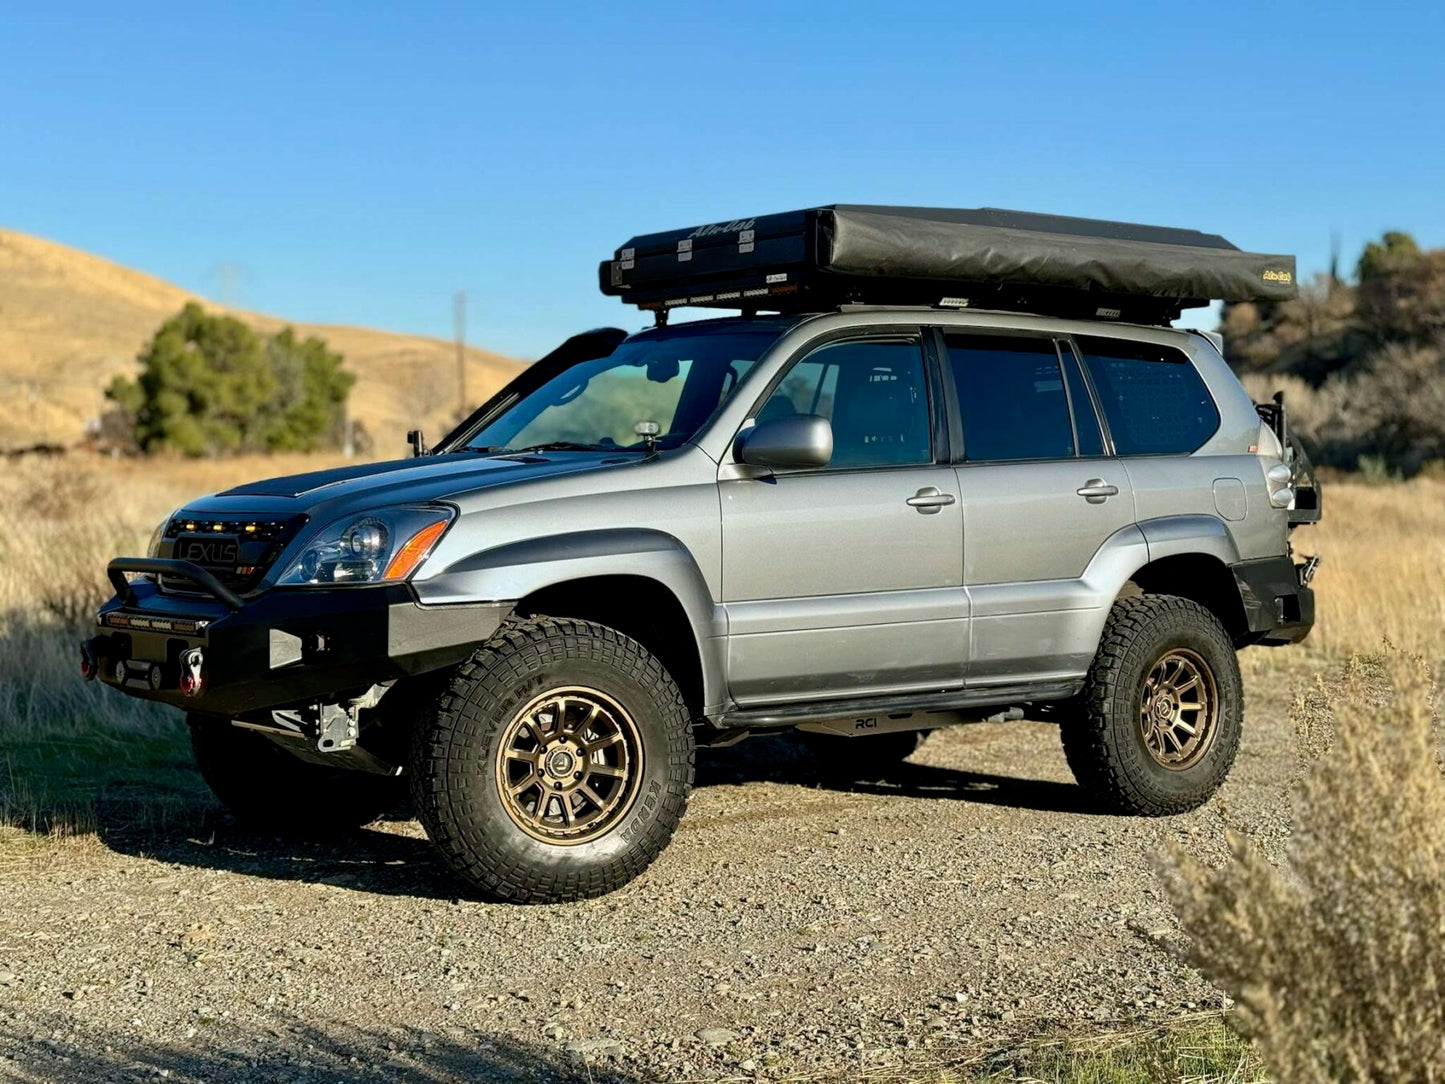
[
  {"x": 1097, "y": 491},
  {"x": 929, "y": 500}
]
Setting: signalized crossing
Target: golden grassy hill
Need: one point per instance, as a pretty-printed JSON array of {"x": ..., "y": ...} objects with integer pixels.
[{"x": 70, "y": 321}]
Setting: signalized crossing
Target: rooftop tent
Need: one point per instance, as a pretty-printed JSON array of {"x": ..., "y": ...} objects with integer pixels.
[{"x": 984, "y": 258}]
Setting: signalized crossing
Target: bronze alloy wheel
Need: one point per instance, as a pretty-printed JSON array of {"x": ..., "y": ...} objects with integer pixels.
[
  {"x": 569, "y": 765},
  {"x": 1178, "y": 709}
]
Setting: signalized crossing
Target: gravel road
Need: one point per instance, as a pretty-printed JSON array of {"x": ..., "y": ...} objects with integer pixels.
[{"x": 972, "y": 901}]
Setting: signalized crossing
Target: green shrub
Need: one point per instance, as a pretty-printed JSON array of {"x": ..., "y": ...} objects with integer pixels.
[{"x": 210, "y": 384}]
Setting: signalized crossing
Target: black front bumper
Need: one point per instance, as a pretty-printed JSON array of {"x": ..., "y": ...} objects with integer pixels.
[
  {"x": 1279, "y": 605},
  {"x": 285, "y": 647}
]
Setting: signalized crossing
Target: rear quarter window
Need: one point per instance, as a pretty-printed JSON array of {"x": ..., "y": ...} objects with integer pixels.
[{"x": 1154, "y": 400}]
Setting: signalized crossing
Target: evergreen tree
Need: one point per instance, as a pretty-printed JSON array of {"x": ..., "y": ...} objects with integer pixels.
[{"x": 210, "y": 384}]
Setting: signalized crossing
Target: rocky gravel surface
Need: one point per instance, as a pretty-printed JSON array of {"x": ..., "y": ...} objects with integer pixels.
[{"x": 971, "y": 901}]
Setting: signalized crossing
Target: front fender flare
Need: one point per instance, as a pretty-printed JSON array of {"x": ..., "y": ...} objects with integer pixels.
[{"x": 517, "y": 569}]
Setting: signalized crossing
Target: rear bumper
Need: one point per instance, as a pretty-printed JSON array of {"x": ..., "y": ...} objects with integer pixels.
[
  {"x": 285, "y": 647},
  {"x": 1278, "y": 607}
]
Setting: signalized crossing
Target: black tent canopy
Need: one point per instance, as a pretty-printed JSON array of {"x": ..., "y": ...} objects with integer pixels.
[{"x": 982, "y": 258}]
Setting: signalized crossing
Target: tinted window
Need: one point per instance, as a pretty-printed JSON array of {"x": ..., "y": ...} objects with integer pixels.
[
  {"x": 1011, "y": 397},
  {"x": 1154, "y": 400},
  {"x": 874, "y": 394},
  {"x": 1086, "y": 422}
]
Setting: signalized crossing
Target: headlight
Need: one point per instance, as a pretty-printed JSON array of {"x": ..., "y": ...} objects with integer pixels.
[{"x": 370, "y": 548}]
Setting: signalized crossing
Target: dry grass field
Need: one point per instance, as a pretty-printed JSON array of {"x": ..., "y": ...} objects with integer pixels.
[{"x": 70, "y": 321}]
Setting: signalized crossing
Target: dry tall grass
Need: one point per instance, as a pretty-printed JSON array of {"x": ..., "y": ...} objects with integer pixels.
[
  {"x": 1337, "y": 961},
  {"x": 64, "y": 744},
  {"x": 1383, "y": 575}
]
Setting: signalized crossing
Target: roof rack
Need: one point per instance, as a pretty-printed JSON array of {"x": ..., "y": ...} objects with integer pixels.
[{"x": 823, "y": 257}]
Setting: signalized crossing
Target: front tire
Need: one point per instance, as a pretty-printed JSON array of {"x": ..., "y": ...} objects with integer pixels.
[
  {"x": 267, "y": 789},
  {"x": 557, "y": 764},
  {"x": 1158, "y": 722}
]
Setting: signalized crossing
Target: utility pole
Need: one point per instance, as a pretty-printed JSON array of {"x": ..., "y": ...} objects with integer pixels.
[
  {"x": 459, "y": 329},
  {"x": 228, "y": 276}
]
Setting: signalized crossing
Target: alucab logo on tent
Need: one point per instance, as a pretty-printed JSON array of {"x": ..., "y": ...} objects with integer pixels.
[{"x": 737, "y": 224}]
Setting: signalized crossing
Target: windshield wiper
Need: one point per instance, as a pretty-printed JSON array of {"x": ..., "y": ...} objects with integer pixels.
[{"x": 563, "y": 446}]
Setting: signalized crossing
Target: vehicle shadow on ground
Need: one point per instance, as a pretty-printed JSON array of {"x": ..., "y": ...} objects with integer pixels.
[
  {"x": 391, "y": 862},
  {"x": 52, "y": 1048},
  {"x": 786, "y": 760}
]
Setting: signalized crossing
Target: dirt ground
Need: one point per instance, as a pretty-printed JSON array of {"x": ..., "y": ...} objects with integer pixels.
[{"x": 972, "y": 901}]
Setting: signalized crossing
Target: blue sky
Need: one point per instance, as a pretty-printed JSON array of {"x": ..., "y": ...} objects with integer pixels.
[{"x": 357, "y": 163}]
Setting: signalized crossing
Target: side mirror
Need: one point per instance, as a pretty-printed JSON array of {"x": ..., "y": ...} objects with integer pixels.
[{"x": 800, "y": 442}]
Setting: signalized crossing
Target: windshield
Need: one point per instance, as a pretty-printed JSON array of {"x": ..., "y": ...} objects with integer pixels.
[{"x": 649, "y": 392}]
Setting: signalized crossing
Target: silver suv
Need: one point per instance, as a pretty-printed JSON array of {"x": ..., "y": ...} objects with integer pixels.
[{"x": 862, "y": 524}]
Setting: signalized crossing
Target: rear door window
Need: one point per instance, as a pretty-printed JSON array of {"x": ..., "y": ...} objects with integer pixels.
[
  {"x": 1011, "y": 398},
  {"x": 1154, "y": 400}
]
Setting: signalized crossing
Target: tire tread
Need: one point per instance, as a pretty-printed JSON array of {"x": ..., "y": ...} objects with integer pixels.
[
  {"x": 441, "y": 758},
  {"x": 1112, "y": 770}
]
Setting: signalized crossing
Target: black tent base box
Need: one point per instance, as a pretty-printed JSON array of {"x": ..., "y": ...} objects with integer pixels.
[{"x": 985, "y": 258}]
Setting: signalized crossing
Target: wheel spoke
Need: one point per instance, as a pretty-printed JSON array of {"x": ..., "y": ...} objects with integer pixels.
[
  {"x": 1181, "y": 681},
  {"x": 602, "y": 743},
  {"x": 518, "y": 789},
  {"x": 577, "y": 726},
  {"x": 581, "y": 728}
]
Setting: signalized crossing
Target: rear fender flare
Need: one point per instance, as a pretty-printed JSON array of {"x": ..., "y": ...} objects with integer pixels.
[
  {"x": 1119, "y": 560},
  {"x": 1169, "y": 536}
]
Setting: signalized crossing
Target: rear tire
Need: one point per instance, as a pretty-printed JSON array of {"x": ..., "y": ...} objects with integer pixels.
[
  {"x": 267, "y": 789},
  {"x": 862, "y": 760},
  {"x": 1157, "y": 726},
  {"x": 557, "y": 764}
]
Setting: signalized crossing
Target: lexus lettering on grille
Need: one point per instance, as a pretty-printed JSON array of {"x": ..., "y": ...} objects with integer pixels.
[{"x": 207, "y": 551}]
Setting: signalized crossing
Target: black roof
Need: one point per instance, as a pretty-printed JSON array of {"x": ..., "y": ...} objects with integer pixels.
[{"x": 985, "y": 257}]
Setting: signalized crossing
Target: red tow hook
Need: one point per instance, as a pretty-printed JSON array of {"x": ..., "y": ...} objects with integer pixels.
[
  {"x": 89, "y": 667},
  {"x": 191, "y": 679}
]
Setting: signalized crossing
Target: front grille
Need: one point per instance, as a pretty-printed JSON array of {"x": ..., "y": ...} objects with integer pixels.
[{"x": 237, "y": 551}]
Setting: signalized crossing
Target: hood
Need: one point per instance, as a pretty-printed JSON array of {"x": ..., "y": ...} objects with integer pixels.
[{"x": 399, "y": 481}]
